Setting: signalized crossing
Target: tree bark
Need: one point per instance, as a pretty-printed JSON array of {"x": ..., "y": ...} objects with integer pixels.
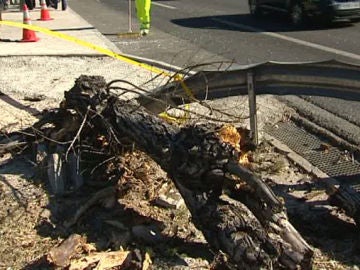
[
  {"x": 253, "y": 229},
  {"x": 249, "y": 224}
]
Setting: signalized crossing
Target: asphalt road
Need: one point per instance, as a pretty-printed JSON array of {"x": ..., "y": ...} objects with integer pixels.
[
  {"x": 189, "y": 32},
  {"x": 222, "y": 28}
]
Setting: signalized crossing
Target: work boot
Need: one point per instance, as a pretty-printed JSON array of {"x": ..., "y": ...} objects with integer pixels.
[
  {"x": 144, "y": 29},
  {"x": 144, "y": 32}
]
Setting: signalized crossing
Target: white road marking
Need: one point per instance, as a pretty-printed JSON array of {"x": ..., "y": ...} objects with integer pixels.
[
  {"x": 290, "y": 39},
  {"x": 163, "y": 5}
]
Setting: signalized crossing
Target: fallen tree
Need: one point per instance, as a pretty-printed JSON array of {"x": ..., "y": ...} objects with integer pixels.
[{"x": 236, "y": 211}]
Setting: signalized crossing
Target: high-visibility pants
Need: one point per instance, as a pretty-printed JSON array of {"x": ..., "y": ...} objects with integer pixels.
[{"x": 143, "y": 13}]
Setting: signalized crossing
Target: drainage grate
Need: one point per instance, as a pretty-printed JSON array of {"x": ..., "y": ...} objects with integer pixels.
[{"x": 332, "y": 161}]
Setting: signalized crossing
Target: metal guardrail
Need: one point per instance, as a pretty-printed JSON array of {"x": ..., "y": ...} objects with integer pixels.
[{"x": 329, "y": 78}]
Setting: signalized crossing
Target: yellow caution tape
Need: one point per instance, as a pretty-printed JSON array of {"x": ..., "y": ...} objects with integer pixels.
[
  {"x": 184, "y": 86},
  {"x": 176, "y": 119},
  {"x": 110, "y": 53}
]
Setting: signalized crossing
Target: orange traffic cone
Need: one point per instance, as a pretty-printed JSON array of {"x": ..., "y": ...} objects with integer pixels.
[
  {"x": 28, "y": 35},
  {"x": 45, "y": 13}
]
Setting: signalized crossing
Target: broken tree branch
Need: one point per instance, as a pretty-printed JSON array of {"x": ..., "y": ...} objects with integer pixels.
[{"x": 250, "y": 225}]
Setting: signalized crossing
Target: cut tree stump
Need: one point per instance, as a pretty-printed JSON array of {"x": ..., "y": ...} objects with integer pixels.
[{"x": 249, "y": 224}]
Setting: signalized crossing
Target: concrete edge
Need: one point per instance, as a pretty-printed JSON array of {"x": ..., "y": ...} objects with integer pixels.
[{"x": 158, "y": 64}]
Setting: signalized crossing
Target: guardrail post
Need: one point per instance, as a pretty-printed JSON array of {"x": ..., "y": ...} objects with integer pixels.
[{"x": 252, "y": 106}]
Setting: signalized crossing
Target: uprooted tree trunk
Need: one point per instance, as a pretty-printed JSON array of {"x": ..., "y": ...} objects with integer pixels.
[{"x": 236, "y": 211}]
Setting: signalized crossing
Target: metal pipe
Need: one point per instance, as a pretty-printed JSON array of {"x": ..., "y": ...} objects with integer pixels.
[
  {"x": 129, "y": 16},
  {"x": 252, "y": 107}
]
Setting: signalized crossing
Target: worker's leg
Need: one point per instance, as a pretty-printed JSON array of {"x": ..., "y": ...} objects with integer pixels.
[
  {"x": 147, "y": 19},
  {"x": 63, "y": 4},
  {"x": 143, "y": 13},
  {"x": 138, "y": 4}
]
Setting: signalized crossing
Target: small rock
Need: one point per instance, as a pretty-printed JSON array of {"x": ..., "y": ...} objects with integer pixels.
[
  {"x": 34, "y": 97},
  {"x": 45, "y": 214},
  {"x": 170, "y": 199},
  {"x": 168, "y": 202}
]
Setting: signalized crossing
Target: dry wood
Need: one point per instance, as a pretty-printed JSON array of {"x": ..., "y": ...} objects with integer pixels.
[
  {"x": 102, "y": 260},
  {"x": 62, "y": 254},
  {"x": 12, "y": 146},
  {"x": 344, "y": 197}
]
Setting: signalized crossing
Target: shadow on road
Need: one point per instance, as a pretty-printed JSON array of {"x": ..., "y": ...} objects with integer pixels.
[{"x": 247, "y": 23}]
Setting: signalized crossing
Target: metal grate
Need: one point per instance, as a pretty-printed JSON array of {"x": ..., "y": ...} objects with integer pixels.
[{"x": 333, "y": 161}]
